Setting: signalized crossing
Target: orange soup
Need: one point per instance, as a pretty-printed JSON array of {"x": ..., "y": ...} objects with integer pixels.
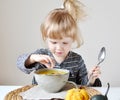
[{"x": 51, "y": 72}]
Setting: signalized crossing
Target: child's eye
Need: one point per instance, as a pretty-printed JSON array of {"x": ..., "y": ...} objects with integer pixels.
[
  {"x": 53, "y": 42},
  {"x": 65, "y": 43}
]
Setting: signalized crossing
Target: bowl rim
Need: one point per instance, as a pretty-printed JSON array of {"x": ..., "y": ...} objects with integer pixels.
[{"x": 36, "y": 71}]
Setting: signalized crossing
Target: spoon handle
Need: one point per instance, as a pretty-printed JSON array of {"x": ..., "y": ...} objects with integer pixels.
[
  {"x": 98, "y": 63},
  {"x": 88, "y": 83}
]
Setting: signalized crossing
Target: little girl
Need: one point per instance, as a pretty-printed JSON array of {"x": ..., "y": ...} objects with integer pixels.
[{"x": 60, "y": 32}]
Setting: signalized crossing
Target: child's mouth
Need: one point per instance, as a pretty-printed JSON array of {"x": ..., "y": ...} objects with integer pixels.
[{"x": 59, "y": 53}]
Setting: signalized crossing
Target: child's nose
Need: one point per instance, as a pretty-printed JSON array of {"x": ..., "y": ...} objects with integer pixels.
[{"x": 59, "y": 46}]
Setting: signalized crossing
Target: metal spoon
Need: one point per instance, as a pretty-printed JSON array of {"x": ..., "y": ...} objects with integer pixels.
[{"x": 101, "y": 58}]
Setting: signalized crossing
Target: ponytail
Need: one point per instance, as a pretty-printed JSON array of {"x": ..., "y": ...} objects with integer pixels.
[{"x": 74, "y": 8}]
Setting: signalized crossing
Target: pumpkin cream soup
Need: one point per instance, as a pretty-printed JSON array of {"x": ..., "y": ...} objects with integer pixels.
[{"x": 51, "y": 72}]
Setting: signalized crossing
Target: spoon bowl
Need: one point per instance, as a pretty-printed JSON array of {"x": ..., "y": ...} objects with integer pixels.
[{"x": 101, "y": 56}]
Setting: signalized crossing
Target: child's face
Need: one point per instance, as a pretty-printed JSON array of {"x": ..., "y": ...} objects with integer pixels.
[{"x": 60, "y": 47}]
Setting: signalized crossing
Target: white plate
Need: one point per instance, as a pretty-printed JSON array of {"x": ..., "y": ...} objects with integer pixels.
[{"x": 36, "y": 93}]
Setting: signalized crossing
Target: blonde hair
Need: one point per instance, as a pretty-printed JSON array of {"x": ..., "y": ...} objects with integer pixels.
[
  {"x": 75, "y": 8},
  {"x": 62, "y": 22}
]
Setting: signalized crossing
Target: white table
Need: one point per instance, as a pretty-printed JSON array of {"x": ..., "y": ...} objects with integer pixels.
[
  {"x": 5, "y": 89},
  {"x": 113, "y": 94}
]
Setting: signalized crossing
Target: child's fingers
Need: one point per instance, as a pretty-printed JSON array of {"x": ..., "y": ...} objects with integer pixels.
[
  {"x": 48, "y": 61},
  {"x": 51, "y": 61},
  {"x": 44, "y": 59},
  {"x": 96, "y": 69}
]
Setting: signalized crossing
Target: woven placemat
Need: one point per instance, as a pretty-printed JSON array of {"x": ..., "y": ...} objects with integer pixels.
[
  {"x": 14, "y": 95},
  {"x": 91, "y": 91}
]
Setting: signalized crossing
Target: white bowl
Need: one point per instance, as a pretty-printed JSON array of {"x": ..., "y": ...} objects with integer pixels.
[{"x": 51, "y": 82}]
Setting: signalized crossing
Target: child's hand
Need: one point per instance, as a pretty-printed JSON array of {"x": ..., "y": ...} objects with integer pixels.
[
  {"x": 94, "y": 74},
  {"x": 43, "y": 59}
]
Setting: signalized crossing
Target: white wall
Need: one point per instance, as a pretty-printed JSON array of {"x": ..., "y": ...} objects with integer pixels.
[{"x": 20, "y": 33}]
